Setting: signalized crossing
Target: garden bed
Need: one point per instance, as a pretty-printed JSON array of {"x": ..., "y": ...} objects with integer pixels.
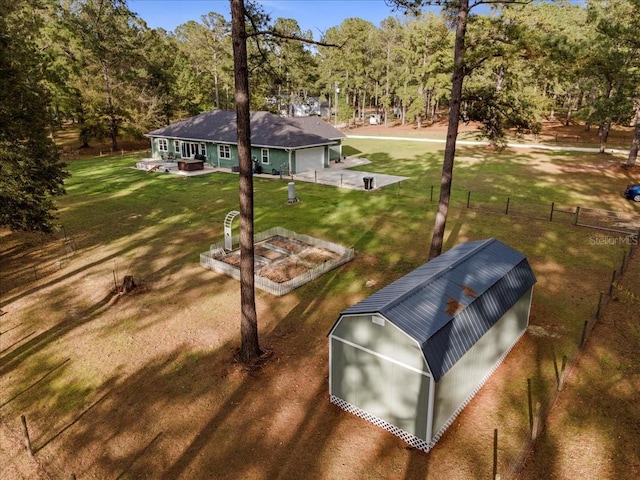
[{"x": 284, "y": 260}]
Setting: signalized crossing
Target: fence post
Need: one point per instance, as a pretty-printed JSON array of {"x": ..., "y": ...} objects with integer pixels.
[
  {"x": 27, "y": 440},
  {"x": 577, "y": 214},
  {"x": 624, "y": 261},
  {"x": 536, "y": 421},
  {"x": 599, "y": 306},
  {"x": 507, "y": 210},
  {"x": 562, "y": 370},
  {"x": 431, "y": 198},
  {"x": 530, "y": 407},
  {"x": 584, "y": 333},
  {"x": 495, "y": 454},
  {"x": 551, "y": 214},
  {"x": 468, "y": 198},
  {"x": 613, "y": 281}
]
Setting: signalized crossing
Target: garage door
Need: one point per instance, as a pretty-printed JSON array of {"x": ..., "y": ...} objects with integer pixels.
[{"x": 309, "y": 159}]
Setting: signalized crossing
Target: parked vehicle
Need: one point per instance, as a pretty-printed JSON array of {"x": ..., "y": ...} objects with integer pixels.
[{"x": 632, "y": 192}]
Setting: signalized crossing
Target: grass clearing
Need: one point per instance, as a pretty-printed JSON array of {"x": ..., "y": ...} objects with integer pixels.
[{"x": 143, "y": 385}]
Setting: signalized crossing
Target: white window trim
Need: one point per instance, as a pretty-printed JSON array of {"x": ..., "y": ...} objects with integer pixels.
[
  {"x": 163, "y": 145},
  {"x": 264, "y": 157},
  {"x": 224, "y": 152},
  {"x": 176, "y": 146}
]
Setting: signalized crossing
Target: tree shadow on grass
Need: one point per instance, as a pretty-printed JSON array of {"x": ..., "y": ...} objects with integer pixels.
[{"x": 12, "y": 359}]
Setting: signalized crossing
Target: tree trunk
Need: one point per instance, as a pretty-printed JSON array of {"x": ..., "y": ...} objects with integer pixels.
[
  {"x": 388, "y": 106},
  {"x": 217, "y": 91},
  {"x": 111, "y": 111},
  {"x": 84, "y": 134},
  {"x": 567, "y": 120},
  {"x": 635, "y": 143},
  {"x": 604, "y": 135},
  {"x": 249, "y": 347},
  {"x": 452, "y": 131}
]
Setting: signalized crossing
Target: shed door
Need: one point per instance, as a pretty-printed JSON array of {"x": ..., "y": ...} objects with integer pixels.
[
  {"x": 309, "y": 159},
  {"x": 381, "y": 387}
]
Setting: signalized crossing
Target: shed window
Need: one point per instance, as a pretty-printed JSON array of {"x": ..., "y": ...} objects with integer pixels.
[
  {"x": 176, "y": 146},
  {"x": 203, "y": 150},
  {"x": 265, "y": 156},
  {"x": 224, "y": 151},
  {"x": 163, "y": 145}
]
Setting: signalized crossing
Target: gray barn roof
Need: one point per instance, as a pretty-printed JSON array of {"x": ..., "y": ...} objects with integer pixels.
[
  {"x": 267, "y": 130},
  {"x": 447, "y": 304}
]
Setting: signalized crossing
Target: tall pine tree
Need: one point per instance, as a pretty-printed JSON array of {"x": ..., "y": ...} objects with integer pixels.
[{"x": 30, "y": 171}]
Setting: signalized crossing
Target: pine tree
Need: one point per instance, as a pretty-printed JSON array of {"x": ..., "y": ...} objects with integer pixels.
[{"x": 30, "y": 171}]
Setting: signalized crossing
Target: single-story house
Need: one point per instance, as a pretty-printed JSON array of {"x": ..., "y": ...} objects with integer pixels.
[
  {"x": 292, "y": 145},
  {"x": 412, "y": 355}
]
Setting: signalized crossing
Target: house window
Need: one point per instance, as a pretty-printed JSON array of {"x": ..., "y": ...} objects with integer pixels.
[
  {"x": 163, "y": 145},
  {"x": 203, "y": 150},
  {"x": 176, "y": 146},
  {"x": 224, "y": 151},
  {"x": 265, "y": 156}
]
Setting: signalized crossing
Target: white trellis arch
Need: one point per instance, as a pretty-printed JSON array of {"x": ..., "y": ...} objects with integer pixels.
[{"x": 228, "y": 238}]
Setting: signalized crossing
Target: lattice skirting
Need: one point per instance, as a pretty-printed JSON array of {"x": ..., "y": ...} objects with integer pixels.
[
  {"x": 408, "y": 437},
  {"x": 378, "y": 422}
]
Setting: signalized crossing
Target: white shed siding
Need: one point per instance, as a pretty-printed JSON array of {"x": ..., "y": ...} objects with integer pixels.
[
  {"x": 458, "y": 386},
  {"x": 416, "y": 393},
  {"x": 385, "y": 389},
  {"x": 379, "y": 369}
]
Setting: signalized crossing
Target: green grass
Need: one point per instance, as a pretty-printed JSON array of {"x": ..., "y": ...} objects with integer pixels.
[
  {"x": 110, "y": 202},
  {"x": 158, "y": 224}
]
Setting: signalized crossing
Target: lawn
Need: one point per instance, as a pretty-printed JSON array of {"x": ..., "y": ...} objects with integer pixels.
[{"x": 144, "y": 385}]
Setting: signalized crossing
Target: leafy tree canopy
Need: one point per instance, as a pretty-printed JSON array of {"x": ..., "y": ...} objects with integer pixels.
[{"x": 30, "y": 170}]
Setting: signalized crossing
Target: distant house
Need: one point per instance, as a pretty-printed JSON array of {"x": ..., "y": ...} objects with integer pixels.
[
  {"x": 292, "y": 145},
  {"x": 412, "y": 355}
]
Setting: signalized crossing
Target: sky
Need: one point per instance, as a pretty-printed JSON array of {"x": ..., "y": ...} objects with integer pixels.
[{"x": 314, "y": 15}]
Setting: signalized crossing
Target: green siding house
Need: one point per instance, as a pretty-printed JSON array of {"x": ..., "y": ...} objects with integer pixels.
[
  {"x": 412, "y": 355},
  {"x": 290, "y": 145}
]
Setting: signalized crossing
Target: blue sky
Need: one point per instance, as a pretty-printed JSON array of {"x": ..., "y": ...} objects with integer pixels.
[{"x": 314, "y": 15}]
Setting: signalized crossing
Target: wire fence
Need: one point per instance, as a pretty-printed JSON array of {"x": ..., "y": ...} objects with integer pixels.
[
  {"x": 540, "y": 409},
  {"x": 626, "y": 223},
  {"x": 38, "y": 257}
]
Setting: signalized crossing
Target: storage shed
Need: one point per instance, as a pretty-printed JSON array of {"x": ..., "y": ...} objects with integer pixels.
[{"x": 412, "y": 355}]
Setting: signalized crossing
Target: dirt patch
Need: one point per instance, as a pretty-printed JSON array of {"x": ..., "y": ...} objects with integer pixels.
[
  {"x": 286, "y": 258},
  {"x": 593, "y": 428},
  {"x": 293, "y": 266},
  {"x": 146, "y": 387}
]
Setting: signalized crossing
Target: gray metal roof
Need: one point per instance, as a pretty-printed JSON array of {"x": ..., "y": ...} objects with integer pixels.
[
  {"x": 447, "y": 304},
  {"x": 267, "y": 130}
]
